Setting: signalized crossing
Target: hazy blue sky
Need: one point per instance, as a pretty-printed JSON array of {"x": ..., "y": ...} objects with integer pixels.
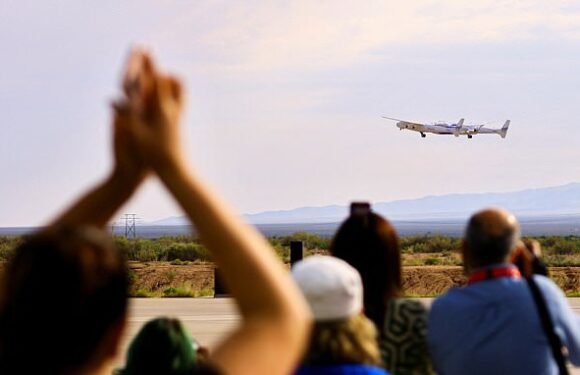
[{"x": 285, "y": 98}]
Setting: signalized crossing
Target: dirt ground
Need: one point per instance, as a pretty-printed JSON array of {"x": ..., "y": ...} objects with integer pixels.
[{"x": 155, "y": 277}]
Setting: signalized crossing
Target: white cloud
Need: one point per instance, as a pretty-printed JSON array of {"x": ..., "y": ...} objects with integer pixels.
[{"x": 254, "y": 36}]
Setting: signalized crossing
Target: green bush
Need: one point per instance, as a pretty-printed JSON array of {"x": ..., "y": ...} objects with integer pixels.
[
  {"x": 162, "y": 249},
  {"x": 186, "y": 251},
  {"x": 179, "y": 262},
  {"x": 7, "y": 246},
  {"x": 432, "y": 261},
  {"x": 143, "y": 250},
  {"x": 429, "y": 244},
  {"x": 142, "y": 293},
  {"x": 179, "y": 291},
  {"x": 282, "y": 252},
  {"x": 310, "y": 240}
]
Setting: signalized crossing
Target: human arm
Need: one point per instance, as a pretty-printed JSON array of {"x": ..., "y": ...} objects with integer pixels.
[
  {"x": 566, "y": 322},
  {"x": 275, "y": 318},
  {"x": 274, "y": 326}
]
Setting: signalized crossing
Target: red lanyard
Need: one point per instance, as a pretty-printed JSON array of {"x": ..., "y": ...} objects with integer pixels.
[{"x": 494, "y": 273}]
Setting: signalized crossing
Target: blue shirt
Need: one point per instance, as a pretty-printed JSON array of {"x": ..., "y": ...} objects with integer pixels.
[
  {"x": 349, "y": 369},
  {"x": 493, "y": 327}
]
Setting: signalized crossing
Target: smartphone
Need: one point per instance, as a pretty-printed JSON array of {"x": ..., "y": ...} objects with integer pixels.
[{"x": 360, "y": 208}]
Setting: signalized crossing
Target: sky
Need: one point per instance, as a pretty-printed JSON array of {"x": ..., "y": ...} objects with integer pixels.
[{"x": 285, "y": 98}]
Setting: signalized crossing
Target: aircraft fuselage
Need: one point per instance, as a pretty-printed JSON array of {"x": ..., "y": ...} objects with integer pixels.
[{"x": 457, "y": 129}]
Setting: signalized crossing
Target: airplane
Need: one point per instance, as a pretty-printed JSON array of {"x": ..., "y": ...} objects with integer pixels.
[{"x": 457, "y": 129}]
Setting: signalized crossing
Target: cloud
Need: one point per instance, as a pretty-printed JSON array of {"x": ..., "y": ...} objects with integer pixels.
[{"x": 254, "y": 36}]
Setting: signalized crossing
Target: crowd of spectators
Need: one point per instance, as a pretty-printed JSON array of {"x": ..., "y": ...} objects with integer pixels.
[{"x": 63, "y": 297}]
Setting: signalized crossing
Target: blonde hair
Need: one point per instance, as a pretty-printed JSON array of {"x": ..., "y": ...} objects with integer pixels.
[{"x": 344, "y": 341}]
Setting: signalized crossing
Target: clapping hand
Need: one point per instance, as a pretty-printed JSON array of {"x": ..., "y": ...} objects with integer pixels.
[{"x": 153, "y": 104}]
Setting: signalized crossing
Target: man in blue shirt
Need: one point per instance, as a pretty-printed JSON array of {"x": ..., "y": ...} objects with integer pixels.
[{"x": 492, "y": 326}]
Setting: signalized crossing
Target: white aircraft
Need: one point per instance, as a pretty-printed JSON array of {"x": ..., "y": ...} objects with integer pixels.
[{"x": 450, "y": 129}]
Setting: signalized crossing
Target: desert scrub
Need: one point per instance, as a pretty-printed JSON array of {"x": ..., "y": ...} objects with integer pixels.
[
  {"x": 7, "y": 246},
  {"x": 432, "y": 261},
  {"x": 186, "y": 251},
  {"x": 429, "y": 244},
  {"x": 179, "y": 262},
  {"x": 142, "y": 293},
  {"x": 186, "y": 291}
]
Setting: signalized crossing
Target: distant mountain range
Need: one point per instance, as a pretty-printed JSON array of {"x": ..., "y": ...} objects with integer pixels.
[{"x": 558, "y": 200}]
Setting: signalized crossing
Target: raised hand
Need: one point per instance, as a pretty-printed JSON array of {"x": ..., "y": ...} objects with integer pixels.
[
  {"x": 156, "y": 102},
  {"x": 129, "y": 165}
]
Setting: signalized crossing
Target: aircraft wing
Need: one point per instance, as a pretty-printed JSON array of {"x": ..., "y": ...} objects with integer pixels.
[{"x": 408, "y": 122}]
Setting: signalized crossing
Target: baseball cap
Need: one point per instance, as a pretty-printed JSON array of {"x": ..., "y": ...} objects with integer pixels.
[{"x": 331, "y": 286}]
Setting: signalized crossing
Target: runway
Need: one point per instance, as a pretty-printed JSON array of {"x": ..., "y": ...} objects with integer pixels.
[{"x": 208, "y": 319}]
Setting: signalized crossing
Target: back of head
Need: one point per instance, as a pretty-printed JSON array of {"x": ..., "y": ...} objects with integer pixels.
[
  {"x": 490, "y": 236},
  {"x": 161, "y": 347},
  {"x": 63, "y": 292},
  {"x": 370, "y": 244},
  {"x": 334, "y": 292}
]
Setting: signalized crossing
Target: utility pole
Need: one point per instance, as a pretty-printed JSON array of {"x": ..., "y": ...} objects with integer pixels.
[
  {"x": 130, "y": 220},
  {"x": 296, "y": 252}
]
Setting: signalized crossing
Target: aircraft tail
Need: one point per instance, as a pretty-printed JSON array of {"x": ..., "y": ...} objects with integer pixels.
[
  {"x": 504, "y": 129},
  {"x": 459, "y": 127}
]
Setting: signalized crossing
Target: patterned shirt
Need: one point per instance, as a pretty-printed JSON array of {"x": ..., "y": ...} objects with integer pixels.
[{"x": 402, "y": 340}]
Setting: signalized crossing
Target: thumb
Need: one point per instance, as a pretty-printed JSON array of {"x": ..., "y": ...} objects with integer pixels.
[{"x": 126, "y": 124}]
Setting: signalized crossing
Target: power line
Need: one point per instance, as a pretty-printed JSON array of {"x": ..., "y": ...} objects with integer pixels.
[{"x": 130, "y": 228}]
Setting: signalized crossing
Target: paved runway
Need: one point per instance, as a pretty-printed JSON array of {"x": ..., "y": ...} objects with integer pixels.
[{"x": 208, "y": 319}]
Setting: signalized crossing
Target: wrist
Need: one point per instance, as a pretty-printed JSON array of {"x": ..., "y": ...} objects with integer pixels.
[
  {"x": 123, "y": 181},
  {"x": 169, "y": 167}
]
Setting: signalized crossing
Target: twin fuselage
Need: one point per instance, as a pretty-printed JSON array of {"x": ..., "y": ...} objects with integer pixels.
[{"x": 450, "y": 129}]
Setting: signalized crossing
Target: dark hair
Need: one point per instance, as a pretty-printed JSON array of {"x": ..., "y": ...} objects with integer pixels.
[
  {"x": 486, "y": 247},
  {"x": 162, "y": 346},
  {"x": 370, "y": 244},
  {"x": 61, "y": 293}
]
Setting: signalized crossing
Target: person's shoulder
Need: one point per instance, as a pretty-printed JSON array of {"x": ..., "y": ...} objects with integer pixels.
[
  {"x": 547, "y": 284},
  {"x": 454, "y": 302},
  {"x": 450, "y": 297},
  {"x": 549, "y": 289}
]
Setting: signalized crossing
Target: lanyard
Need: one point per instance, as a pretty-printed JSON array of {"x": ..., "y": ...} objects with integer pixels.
[{"x": 494, "y": 273}]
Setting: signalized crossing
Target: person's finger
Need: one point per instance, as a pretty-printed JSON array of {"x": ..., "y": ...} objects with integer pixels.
[
  {"x": 139, "y": 81},
  {"x": 151, "y": 97},
  {"x": 121, "y": 122},
  {"x": 133, "y": 72},
  {"x": 120, "y": 107},
  {"x": 175, "y": 89},
  {"x": 148, "y": 63},
  {"x": 126, "y": 120},
  {"x": 169, "y": 97}
]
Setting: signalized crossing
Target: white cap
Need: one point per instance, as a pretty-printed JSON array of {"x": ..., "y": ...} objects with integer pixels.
[{"x": 331, "y": 286}]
